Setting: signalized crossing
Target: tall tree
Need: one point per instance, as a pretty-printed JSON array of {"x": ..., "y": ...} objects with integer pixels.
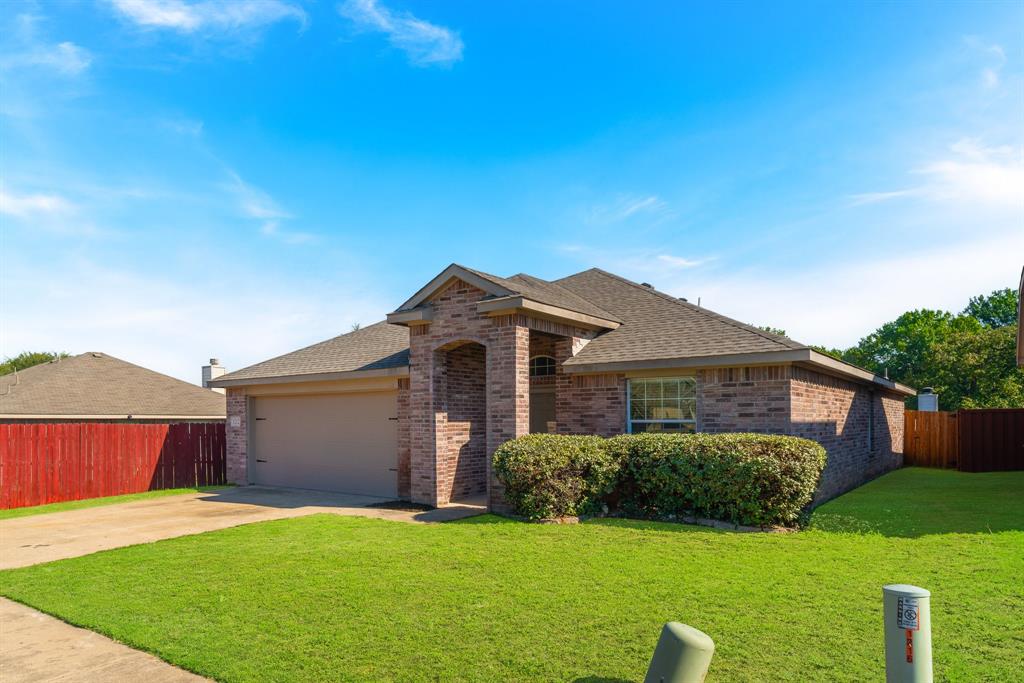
[
  {"x": 27, "y": 359},
  {"x": 978, "y": 369},
  {"x": 998, "y": 309}
]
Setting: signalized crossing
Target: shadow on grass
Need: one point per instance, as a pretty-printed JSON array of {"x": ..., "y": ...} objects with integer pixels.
[{"x": 601, "y": 679}]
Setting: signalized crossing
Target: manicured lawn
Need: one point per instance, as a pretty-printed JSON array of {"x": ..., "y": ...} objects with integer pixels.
[
  {"x": 97, "y": 502},
  {"x": 327, "y": 598}
]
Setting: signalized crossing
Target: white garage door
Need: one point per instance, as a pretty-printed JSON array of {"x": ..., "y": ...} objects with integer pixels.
[{"x": 338, "y": 442}]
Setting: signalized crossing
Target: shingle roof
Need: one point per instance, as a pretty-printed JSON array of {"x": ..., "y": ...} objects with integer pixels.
[
  {"x": 658, "y": 326},
  {"x": 655, "y": 326},
  {"x": 376, "y": 347},
  {"x": 97, "y": 384}
]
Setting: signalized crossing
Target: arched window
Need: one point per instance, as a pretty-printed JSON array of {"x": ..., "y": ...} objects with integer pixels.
[{"x": 542, "y": 366}]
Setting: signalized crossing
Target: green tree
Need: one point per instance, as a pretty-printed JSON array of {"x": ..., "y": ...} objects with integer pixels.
[
  {"x": 772, "y": 330},
  {"x": 998, "y": 309},
  {"x": 902, "y": 348},
  {"x": 978, "y": 369},
  {"x": 27, "y": 359}
]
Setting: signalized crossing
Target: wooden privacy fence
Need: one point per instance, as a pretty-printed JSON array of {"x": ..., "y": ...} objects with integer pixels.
[
  {"x": 986, "y": 440},
  {"x": 54, "y": 462}
]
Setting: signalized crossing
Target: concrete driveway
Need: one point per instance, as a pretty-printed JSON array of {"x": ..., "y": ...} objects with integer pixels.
[{"x": 59, "y": 535}]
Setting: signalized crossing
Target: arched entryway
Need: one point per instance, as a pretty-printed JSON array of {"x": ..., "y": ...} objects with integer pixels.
[{"x": 460, "y": 414}]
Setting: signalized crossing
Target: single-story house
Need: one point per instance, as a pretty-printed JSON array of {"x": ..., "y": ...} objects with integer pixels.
[
  {"x": 412, "y": 407},
  {"x": 96, "y": 387}
]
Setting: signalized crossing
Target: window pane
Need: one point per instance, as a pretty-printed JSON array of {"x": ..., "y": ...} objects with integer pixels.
[
  {"x": 665, "y": 410},
  {"x": 688, "y": 409},
  {"x": 636, "y": 410},
  {"x": 670, "y": 388},
  {"x": 688, "y": 388},
  {"x": 637, "y": 389},
  {"x": 653, "y": 388}
]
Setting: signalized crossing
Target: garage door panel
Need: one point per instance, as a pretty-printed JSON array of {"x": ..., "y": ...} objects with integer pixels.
[{"x": 344, "y": 442}]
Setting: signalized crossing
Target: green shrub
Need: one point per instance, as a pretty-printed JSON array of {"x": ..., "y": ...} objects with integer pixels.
[
  {"x": 551, "y": 475},
  {"x": 750, "y": 479}
]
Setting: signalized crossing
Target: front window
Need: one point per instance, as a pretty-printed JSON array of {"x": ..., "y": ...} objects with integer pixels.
[
  {"x": 666, "y": 404},
  {"x": 542, "y": 366}
]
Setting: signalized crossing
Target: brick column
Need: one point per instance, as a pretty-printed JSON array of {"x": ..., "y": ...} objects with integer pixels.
[
  {"x": 237, "y": 432},
  {"x": 422, "y": 427},
  {"x": 508, "y": 395}
]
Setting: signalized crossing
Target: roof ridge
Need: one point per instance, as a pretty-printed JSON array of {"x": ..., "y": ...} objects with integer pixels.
[
  {"x": 554, "y": 283},
  {"x": 699, "y": 309}
]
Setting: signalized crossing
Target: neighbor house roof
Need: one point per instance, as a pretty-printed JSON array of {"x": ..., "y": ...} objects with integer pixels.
[
  {"x": 640, "y": 328},
  {"x": 378, "y": 349},
  {"x": 97, "y": 386}
]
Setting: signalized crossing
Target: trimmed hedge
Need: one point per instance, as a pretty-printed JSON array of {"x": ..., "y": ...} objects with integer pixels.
[
  {"x": 749, "y": 479},
  {"x": 550, "y": 475}
]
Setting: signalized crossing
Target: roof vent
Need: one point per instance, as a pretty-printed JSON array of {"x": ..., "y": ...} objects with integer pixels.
[
  {"x": 648, "y": 285},
  {"x": 97, "y": 355},
  {"x": 684, "y": 299}
]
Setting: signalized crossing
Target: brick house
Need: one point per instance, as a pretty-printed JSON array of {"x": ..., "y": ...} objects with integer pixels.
[{"x": 412, "y": 407}]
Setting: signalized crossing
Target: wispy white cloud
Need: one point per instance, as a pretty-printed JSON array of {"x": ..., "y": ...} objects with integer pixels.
[
  {"x": 972, "y": 174},
  {"x": 628, "y": 206},
  {"x": 64, "y": 58},
  {"x": 679, "y": 262},
  {"x": 426, "y": 44},
  {"x": 995, "y": 58},
  {"x": 255, "y": 203},
  {"x": 32, "y": 205},
  {"x": 208, "y": 15}
]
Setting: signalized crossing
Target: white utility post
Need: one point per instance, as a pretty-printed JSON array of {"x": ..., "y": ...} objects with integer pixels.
[{"x": 908, "y": 634}]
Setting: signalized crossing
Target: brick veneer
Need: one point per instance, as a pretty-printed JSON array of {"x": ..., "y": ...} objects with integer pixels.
[
  {"x": 797, "y": 401},
  {"x": 237, "y": 437},
  {"x": 404, "y": 471},
  {"x": 434, "y": 461}
]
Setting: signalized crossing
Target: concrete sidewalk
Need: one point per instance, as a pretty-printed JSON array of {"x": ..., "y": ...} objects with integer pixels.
[
  {"x": 35, "y": 647},
  {"x": 52, "y": 536}
]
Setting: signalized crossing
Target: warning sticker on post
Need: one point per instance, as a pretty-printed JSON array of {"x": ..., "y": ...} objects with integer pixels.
[{"x": 907, "y": 614}]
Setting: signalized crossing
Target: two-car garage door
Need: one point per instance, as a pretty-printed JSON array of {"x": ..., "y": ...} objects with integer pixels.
[{"x": 332, "y": 442}]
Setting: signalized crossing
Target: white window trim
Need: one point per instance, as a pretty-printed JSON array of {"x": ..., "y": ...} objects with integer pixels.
[{"x": 629, "y": 401}]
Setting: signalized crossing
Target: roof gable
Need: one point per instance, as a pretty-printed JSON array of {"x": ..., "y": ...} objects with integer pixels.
[
  {"x": 99, "y": 385},
  {"x": 493, "y": 286}
]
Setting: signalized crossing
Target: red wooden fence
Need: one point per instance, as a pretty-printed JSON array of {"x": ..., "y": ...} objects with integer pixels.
[
  {"x": 979, "y": 440},
  {"x": 991, "y": 440},
  {"x": 54, "y": 462}
]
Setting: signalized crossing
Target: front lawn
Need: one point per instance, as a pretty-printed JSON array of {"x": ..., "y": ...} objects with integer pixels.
[{"x": 327, "y": 598}]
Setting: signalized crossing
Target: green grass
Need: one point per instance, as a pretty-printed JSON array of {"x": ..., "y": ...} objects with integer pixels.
[
  {"x": 328, "y": 598},
  {"x": 97, "y": 502}
]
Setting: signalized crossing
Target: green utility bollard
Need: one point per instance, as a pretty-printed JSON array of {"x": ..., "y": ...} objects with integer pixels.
[{"x": 683, "y": 655}]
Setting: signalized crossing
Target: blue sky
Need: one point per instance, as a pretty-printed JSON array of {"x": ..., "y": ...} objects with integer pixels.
[{"x": 184, "y": 179}]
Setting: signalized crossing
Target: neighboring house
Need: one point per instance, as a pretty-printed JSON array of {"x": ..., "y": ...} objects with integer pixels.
[
  {"x": 92, "y": 425},
  {"x": 413, "y": 407},
  {"x": 95, "y": 387}
]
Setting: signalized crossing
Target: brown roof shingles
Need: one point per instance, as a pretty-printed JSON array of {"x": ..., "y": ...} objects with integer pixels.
[
  {"x": 375, "y": 347},
  {"x": 96, "y": 384},
  {"x": 658, "y": 326},
  {"x": 655, "y": 326}
]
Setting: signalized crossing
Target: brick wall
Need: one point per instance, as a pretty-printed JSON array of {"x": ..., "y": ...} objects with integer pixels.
[
  {"x": 463, "y": 468},
  {"x": 590, "y": 404},
  {"x": 743, "y": 399},
  {"x": 792, "y": 400},
  {"x": 856, "y": 424},
  {"x": 404, "y": 472},
  {"x": 237, "y": 437}
]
